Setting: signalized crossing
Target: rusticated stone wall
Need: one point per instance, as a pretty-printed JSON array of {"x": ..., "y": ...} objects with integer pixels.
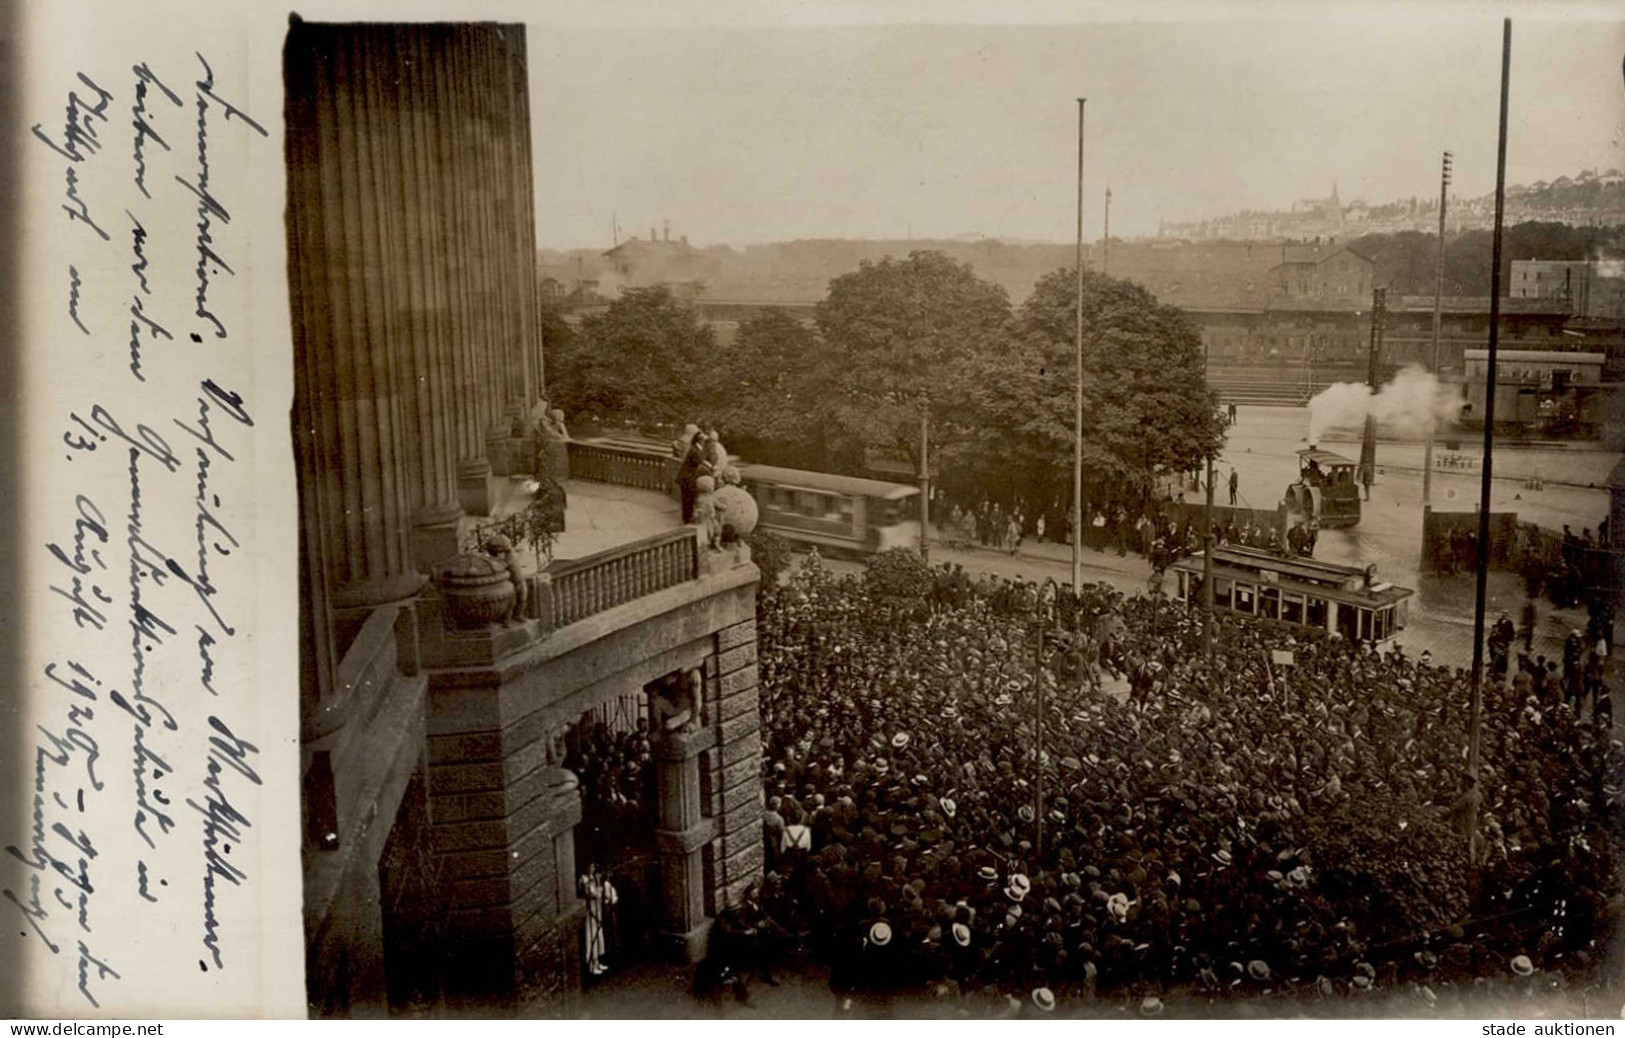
[{"x": 504, "y": 810}]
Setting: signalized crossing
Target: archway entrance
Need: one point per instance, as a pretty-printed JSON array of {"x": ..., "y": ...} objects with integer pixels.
[{"x": 617, "y": 869}]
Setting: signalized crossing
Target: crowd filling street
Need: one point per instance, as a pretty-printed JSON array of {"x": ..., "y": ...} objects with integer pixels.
[{"x": 950, "y": 818}]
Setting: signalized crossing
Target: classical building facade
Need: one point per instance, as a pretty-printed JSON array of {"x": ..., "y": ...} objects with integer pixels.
[{"x": 442, "y": 694}]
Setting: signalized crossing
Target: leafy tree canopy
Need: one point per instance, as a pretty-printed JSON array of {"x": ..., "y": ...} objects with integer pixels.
[
  {"x": 644, "y": 359},
  {"x": 1146, "y": 401},
  {"x": 901, "y": 336},
  {"x": 1405, "y": 261}
]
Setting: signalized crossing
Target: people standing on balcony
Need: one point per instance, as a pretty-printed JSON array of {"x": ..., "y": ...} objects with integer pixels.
[
  {"x": 716, "y": 455},
  {"x": 688, "y": 474}
]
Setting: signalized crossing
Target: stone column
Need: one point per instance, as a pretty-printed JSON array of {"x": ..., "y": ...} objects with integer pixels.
[
  {"x": 474, "y": 485},
  {"x": 681, "y": 838},
  {"x": 529, "y": 286},
  {"x": 425, "y": 322},
  {"x": 348, "y": 409}
]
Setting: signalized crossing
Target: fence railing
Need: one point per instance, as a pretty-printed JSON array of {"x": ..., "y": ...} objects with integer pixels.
[
  {"x": 621, "y": 466},
  {"x": 595, "y": 583}
]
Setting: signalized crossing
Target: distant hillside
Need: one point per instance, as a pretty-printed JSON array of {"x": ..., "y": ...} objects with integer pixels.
[
  {"x": 1198, "y": 275},
  {"x": 1588, "y": 199}
]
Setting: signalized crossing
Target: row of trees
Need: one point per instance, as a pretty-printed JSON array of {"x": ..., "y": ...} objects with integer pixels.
[
  {"x": 896, "y": 340},
  {"x": 1405, "y": 261}
]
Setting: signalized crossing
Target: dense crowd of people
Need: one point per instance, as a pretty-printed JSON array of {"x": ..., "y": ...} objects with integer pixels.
[
  {"x": 1243, "y": 828},
  {"x": 1570, "y": 571},
  {"x": 1108, "y": 526}
]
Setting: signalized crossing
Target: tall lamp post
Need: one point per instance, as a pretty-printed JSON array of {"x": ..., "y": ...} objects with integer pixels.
[
  {"x": 1077, "y": 413},
  {"x": 1475, "y": 717},
  {"x": 925, "y": 481},
  {"x": 1048, "y": 597},
  {"x": 1207, "y": 572}
]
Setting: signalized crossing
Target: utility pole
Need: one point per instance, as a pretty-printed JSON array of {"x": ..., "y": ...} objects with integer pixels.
[
  {"x": 925, "y": 481},
  {"x": 1047, "y": 588},
  {"x": 1368, "y": 442},
  {"x": 1438, "y": 299},
  {"x": 1077, "y": 413},
  {"x": 1106, "y": 235},
  {"x": 1475, "y": 718},
  {"x": 1207, "y": 571}
]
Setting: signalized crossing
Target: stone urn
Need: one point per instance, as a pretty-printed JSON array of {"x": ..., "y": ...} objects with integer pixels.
[{"x": 476, "y": 590}]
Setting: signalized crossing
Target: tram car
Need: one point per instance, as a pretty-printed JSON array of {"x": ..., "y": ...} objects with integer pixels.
[
  {"x": 1299, "y": 592},
  {"x": 1326, "y": 490},
  {"x": 844, "y": 515}
]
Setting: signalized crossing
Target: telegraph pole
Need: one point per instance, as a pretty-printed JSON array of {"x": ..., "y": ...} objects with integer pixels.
[
  {"x": 1368, "y": 442},
  {"x": 1106, "y": 234},
  {"x": 1046, "y": 588},
  {"x": 1475, "y": 719},
  {"x": 1077, "y": 413},
  {"x": 925, "y": 481},
  {"x": 1438, "y": 298},
  {"x": 1207, "y": 571}
]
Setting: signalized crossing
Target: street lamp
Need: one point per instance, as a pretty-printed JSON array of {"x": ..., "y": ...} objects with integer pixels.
[{"x": 1048, "y": 597}]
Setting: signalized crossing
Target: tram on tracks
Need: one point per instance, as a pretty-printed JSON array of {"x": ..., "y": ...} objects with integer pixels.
[
  {"x": 1299, "y": 592},
  {"x": 847, "y": 515}
]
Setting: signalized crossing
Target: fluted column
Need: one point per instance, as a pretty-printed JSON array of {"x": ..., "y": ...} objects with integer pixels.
[
  {"x": 524, "y": 228},
  {"x": 352, "y": 406},
  {"x": 406, "y": 181}
]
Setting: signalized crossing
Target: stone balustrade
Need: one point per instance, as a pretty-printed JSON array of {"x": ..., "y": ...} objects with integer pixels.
[
  {"x": 599, "y": 582},
  {"x": 623, "y": 466}
]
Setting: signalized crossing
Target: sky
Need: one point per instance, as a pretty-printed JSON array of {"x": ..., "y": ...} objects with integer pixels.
[{"x": 779, "y": 125}]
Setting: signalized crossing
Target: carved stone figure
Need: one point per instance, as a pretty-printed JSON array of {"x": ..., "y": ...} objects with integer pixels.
[
  {"x": 500, "y": 548},
  {"x": 546, "y": 422},
  {"x": 557, "y": 749},
  {"x": 707, "y": 515},
  {"x": 678, "y": 701},
  {"x": 554, "y": 425}
]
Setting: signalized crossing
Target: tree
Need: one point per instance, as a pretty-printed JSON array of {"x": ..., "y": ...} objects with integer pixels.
[
  {"x": 645, "y": 359},
  {"x": 902, "y": 335},
  {"x": 557, "y": 337},
  {"x": 775, "y": 404},
  {"x": 1147, "y": 407},
  {"x": 1405, "y": 261}
]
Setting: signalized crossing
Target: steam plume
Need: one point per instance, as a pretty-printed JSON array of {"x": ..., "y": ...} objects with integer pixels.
[{"x": 1404, "y": 406}]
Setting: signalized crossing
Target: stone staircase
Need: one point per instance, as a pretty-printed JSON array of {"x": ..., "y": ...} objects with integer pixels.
[{"x": 1266, "y": 386}]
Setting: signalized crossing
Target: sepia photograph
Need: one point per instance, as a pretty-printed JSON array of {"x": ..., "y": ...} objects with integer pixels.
[{"x": 1108, "y": 517}]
